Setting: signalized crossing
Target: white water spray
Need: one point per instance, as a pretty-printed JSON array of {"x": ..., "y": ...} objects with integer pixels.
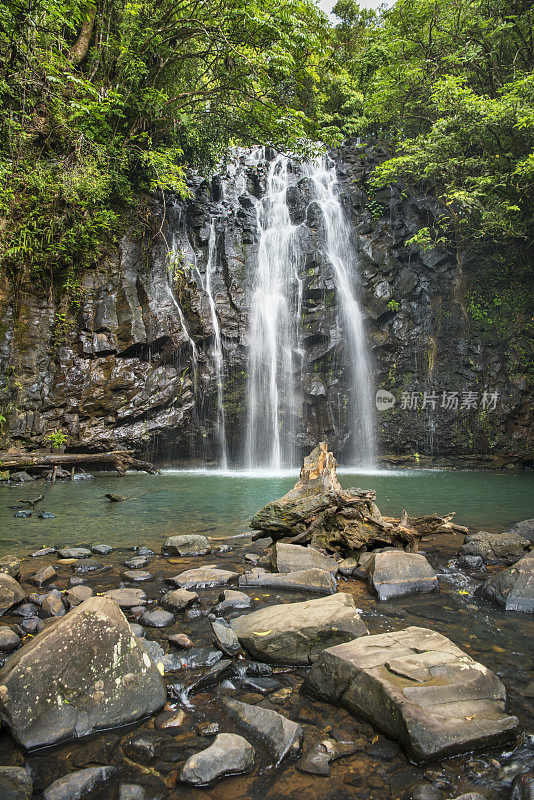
[{"x": 218, "y": 356}]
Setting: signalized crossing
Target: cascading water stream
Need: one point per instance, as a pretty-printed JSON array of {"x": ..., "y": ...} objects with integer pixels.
[
  {"x": 340, "y": 254},
  {"x": 218, "y": 356},
  {"x": 175, "y": 258},
  {"x": 272, "y": 409},
  {"x": 275, "y": 320}
]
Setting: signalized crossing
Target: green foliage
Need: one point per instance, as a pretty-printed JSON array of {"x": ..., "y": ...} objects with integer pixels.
[
  {"x": 100, "y": 103},
  {"x": 393, "y": 305},
  {"x": 56, "y": 438},
  {"x": 448, "y": 85}
]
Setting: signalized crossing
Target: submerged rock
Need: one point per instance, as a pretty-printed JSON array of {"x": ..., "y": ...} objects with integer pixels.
[
  {"x": 11, "y": 593},
  {"x": 178, "y": 599},
  {"x": 294, "y": 633},
  {"x": 187, "y": 545},
  {"x": 294, "y": 558},
  {"x": 225, "y": 637},
  {"x": 84, "y": 673},
  {"x": 15, "y": 784},
  {"x": 101, "y": 549},
  {"x": 231, "y": 600},
  {"x": 417, "y": 687},
  {"x": 204, "y": 577},
  {"x": 315, "y": 581},
  {"x": 78, "y": 784},
  {"x": 495, "y": 548},
  {"x": 137, "y": 575},
  {"x": 281, "y": 736},
  {"x": 229, "y": 754},
  {"x": 513, "y": 588},
  {"x": 395, "y": 573}
]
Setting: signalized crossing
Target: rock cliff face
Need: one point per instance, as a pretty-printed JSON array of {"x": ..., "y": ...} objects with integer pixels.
[{"x": 127, "y": 358}]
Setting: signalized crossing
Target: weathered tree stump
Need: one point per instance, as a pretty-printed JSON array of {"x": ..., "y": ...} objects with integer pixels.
[{"x": 319, "y": 512}]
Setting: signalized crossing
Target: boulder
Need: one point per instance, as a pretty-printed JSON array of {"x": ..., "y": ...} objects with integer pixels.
[
  {"x": 294, "y": 633},
  {"x": 495, "y": 549},
  {"x": 281, "y": 736},
  {"x": 418, "y": 688},
  {"x": 294, "y": 558},
  {"x": 101, "y": 549},
  {"x": 52, "y": 606},
  {"x": 513, "y": 588},
  {"x": 157, "y": 618},
  {"x": 127, "y": 598},
  {"x": 315, "y": 581},
  {"x": 231, "y": 600},
  {"x": 10, "y": 565},
  {"x": 229, "y": 754},
  {"x": 522, "y": 787},
  {"x": 43, "y": 575},
  {"x": 225, "y": 638},
  {"x": 204, "y": 577},
  {"x": 74, "y": 552},
  {"x": 178, "y": 599},
  {"x": 187, "y": 545},
  {"x": 11, "y": 593},
  {"x": 15, "y": 784},
  {"x": 78, "y": 594},
  {"x": 395, "y": 573},
  {"x": 78, "y": 784},
  {"x": 525, "y": 528},
  {"x": 137, "y": 562},
  {"x": 84, "y": 673},
  {"x": 9, "y": 640}
]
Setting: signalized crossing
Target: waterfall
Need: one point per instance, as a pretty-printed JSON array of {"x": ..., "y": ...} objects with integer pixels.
[
  {"x": 175, "y": 258},
  {"x": 272, "y": 412},
  {"x": 275, "y": 319},
  {"x": 341, "y": 255},
  {"x": 218, "y": 356}
]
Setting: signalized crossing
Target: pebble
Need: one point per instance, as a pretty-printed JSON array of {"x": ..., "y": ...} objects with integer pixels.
[
  {"x": 180, "y": 640},
  {"x": 157, "y": 618}
]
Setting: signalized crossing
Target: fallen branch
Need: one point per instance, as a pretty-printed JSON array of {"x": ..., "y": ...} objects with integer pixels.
[{"x": 119, "y": 460}]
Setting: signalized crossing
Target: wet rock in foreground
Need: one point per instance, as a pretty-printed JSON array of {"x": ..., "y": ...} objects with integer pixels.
[
  {"x": 513, "y": 588},
  {"x": 15, "y": 784},
  {"x": 84, "y": 673},
  {"x": 396, "y": 573},
  {"x": 315, "y": 581},
  {"x": 229, "y": 754},
  {"x": 281, "y": 736},
  {"x": 294, "y": 633},
  {"x": 417, "y": 687},
  {"x": 186, "y": 545},
  {"x": 294, "y": 557},
  {"x": 78, "y": 784},
  {"x": 204, "y": 578},
  {"x": 495, "y": 548}
]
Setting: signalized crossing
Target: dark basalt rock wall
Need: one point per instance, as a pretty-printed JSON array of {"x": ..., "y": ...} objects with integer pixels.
[{"x": 114, "y": 366}]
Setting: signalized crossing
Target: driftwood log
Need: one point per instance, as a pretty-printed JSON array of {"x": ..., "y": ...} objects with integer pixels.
[
  {"x": 119, "y": 460},
  {"x": 319, "y": 512}
]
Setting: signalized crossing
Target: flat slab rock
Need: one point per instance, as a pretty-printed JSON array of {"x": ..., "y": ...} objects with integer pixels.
[
  {"x": 204, "y": 577},
  {"x": 85, "y": 672},
  {"x": 513, "y": 588},
  {"x": 315, "y": 581},
  {"x": 229, "y": 754},
  {"x": 280, "y": 735},
  {"x": 418, "y": 688},
  {"x": 186, "y": 545},
  {"x": 395, "y": 573},
  {"x": 295, "y": 633},
  {"x": 127, "y": 598},
  {"x": 294, "y": 558}
]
